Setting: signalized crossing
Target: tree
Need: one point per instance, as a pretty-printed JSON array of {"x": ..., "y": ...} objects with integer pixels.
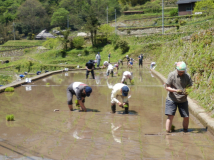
[
  {"x": 59, "y": 18},
  {"x": 106, "y": 30},
  {"x": 92, "y": 25},
  {"x": 32, "y": 15},
  {"x": 206, "y": 6}
]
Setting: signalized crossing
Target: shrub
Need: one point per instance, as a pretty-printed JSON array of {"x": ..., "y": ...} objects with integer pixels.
[
  {"x": 86, "y": 52},
  {"x": 126, "y": 8},
  {"x": 128, "y": 32},
  {"x": 78, "y": 42},
  {"x": 174, "y": 12},
  {"x": 123, "y": 45},
  {"x": 9, "y": 89},
  {"x": 114, "y": 38},
  {"x": 182, "y": 22},
  {"x": 176, "y": 20}
]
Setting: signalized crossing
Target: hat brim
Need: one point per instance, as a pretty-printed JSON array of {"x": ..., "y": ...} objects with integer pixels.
[{"x": 124, "y": 94}]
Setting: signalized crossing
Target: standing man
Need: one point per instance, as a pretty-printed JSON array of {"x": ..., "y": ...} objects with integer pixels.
[
  {"x": 81, "y": 90},
  {"x": 140, "y": 60},
  {"x": 128, "y": 59},
  {"x": 109, "y": 56},
  {"x": 176, "y": 84},
  {"x": 89, "y": 68},
  {"x": 98, "y": 58},
  {"x": 121, "y": 90}
]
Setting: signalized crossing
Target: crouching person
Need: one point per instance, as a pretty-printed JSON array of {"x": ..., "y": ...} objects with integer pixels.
[
  {"x": 127, "y": 75},
  {"x": 81, "y": 90},
  {"x": 110, "y": 68},
  {"x": 122, "y": 90}
]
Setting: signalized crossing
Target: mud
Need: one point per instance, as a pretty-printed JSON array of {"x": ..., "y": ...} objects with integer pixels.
[{"x": 40, "y": 133}]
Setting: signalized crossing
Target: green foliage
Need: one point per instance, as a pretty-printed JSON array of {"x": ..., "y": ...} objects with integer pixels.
[
  {"x": 9, "y": 89},
  {"x": 5, "y": 79},
  {"x": 125, "y": 105},
  {"x": 10, "y": 117},
  {"x": 53, "y": 43},
  {"x": 123, "y": 45},
  {"x": 32, "y": 16},
  {"x": 212, "y": 116},
  {"x": 205, "y": 6},
  {"x": 125, "y": 8},
  {"x": 47, "y": 84},
  {"x": 78, "y": 42},
  {"x": 106, "y": 30},
  {"x": 114, "y": 38},
  {"x": 182, "y": 22},
  {"x": 31, "y": 36},
  {"x": 172, "y": 128},
  {"x": 132, "y": 82},
  {"x": 174, "y": 12},
  {"x": 59, "y": 18}
]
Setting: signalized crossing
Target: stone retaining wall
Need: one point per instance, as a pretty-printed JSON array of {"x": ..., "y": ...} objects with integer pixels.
[
  {"x": 142, "y": 31},
  {"x": 12, "y": 53}
]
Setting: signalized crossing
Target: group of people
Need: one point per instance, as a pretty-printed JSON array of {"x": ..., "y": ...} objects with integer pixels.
[
  {"x": 130, "y": 61},
  {"x": 176, "y": 84},
  {"x": 82, "y": 90}
]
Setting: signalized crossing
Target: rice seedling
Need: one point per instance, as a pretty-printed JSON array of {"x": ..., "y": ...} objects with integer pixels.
[
  {"x": 172, "y": 128},
  {"x": 132, "y": 82},
  {"x": 125, "y": 83},
  {"x": 10, "y": 117},
  {"x": 47, "y": 84},
  {"x": 119, "y": 74},
  {"x": 9, "y": 89}
]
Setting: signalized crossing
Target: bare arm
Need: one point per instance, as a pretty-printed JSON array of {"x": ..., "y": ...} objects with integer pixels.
[
  {"x": 170, "y": 89},
  {"x": 82, "y": 105}
]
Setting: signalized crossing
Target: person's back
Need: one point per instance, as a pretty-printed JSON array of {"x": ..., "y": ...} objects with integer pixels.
[{"x": 90, "y": 64}]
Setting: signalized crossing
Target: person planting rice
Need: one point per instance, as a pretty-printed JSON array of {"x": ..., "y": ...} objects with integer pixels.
[
  {"x": 120, "y": 62},
  {"x": 131, "y": 63},
  {"x": 110, "y": 69},
  {"x": 122, "y": 90},
  {"x": 116, "y": 66},
  {"x": 127, "y": 75},
  {"x": 81, "y": 90},
  {"x": 176, "y": 84},
  {"x": 89, "y": 68},
  {"x": 153, "y": 65}
]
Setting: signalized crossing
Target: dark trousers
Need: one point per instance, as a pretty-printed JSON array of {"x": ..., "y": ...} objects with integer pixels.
[
  {"x": 113, "y": 108},
  {"x": 92, "y": 73}
]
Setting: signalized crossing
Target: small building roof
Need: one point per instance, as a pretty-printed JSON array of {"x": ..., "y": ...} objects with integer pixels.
[
  {"x": 186, "y": 1},
  {"x": 44, "y": 34}
]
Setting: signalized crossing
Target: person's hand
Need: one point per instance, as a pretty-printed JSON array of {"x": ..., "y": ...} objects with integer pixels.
[
  {"x": 120, "y": 104},
  {"x": 179, "y": 91}
]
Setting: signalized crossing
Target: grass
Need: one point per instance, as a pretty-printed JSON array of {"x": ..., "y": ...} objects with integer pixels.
[
  {"x": 9, "y": 89},
  {"x": 24, "y": 43},
  {"x": 10, "y": 117}
]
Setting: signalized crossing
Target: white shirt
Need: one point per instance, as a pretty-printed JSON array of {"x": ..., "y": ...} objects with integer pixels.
[
  {"x": 110, "y": 67},
  {"x": 127, "y": 75},
  {"x": 105, "y": 63},
  {"x": 117, "y": 92},
  {"x": 98, "y": 57}
]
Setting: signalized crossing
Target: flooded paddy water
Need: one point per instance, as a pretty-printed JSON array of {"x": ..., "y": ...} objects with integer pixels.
[{"x": 40, "y": 133}]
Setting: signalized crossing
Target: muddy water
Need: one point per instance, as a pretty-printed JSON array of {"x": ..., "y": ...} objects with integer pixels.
[{"x": 40, "y": 133}]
